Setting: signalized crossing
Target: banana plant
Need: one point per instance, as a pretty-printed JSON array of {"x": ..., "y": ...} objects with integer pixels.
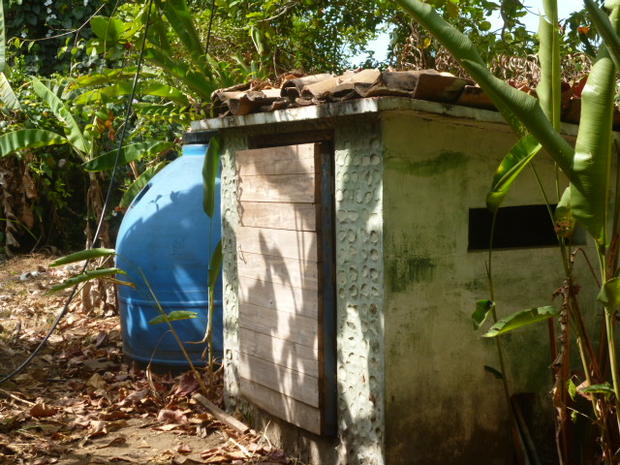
[
  {"x": 200, "y": 74},
  {"x": 7, "y": 95},
  {"x": 84, "y": 142},
  {"x": 588, "y": 166},
  {"x": 187, "y": 83}
]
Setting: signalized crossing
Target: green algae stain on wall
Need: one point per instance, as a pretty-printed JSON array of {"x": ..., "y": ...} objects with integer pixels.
[
  {"x": 444, "y": 162},
  {"x": 404, "y": 270}
]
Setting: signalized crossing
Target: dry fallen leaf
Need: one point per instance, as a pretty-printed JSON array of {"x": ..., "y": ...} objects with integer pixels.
[
  {"x": 97, "y": 428},
  {"x": 97, "y": 381},
  {"x": 124, "y": 459},
  {"x": 184, "y": 448},
  {"x": 117, "y": 441},
  {"x": 168, "y": 427},
  {"x": 101, "y": 338},
  {"x": 187, "y": 384},
  {"x": 120, "y": 399},
  {"x": 136, "y": 396},
  {"x": 41, "y": 410},
  {"x": 184, "y": 460},
  {"x": 41, "y": 461},
  {"x": 171, "y": 416}
]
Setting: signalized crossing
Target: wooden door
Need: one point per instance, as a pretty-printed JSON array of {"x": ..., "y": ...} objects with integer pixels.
[{"x": 285, "y": 263}]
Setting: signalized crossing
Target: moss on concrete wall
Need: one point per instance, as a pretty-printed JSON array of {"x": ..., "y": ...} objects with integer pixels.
[{"x": 441, "y": 404}]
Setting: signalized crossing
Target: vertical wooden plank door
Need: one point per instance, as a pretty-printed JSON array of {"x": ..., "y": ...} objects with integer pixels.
[{"x": 286, "y": 290}]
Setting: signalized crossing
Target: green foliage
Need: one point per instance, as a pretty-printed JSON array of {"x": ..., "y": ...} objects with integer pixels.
[
  {"x": 209, "y": 173},
  {"x": 610, "y": 293},
  {"x": 604, "y": 388},
  {"x": 59, "y": 109},
  {"x": 135, "y": 187},
  {"x": 521, "y": 319},
  {"x": 180, "y": 19},
  {"x": 7, "y": 95},
  {"x": 590, "y": 171},
  {"x": 127, "y": 154},
  {"x": 174, "y": 315},
  {"x": 494, "y": 371},
  {"x": 483, "y": 307},
  {"x": 520, "y": 155},
  {"x": 83, "y": 255},
  {"x": 40, "y": 20},
  {"x": 473, "y": 18},
  {"x": 215, "y": 265},
  {"x": 101, "y": 273},
  {"x": 312, "y": 35},
  {"x": 109, "y": 30},
  {"x": 28, "y": 138},
  {"x": 123, "y": 88}
]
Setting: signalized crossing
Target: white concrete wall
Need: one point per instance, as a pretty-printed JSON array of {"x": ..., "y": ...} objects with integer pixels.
[{"x": 441, "y": 405}]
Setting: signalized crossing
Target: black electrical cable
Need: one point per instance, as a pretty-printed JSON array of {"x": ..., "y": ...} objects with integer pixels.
[
  {"x": 209, "y": 28},
  {"x": 121, "y": 140}
]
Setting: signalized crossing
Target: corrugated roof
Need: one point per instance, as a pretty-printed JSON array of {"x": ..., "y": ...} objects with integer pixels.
[{"x": 316, "y": 89}]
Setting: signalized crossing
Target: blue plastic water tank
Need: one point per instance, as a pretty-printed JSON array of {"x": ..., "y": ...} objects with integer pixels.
[{"x": 166, "y": 234}]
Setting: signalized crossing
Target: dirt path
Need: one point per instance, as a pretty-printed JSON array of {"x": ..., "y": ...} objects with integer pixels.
[{"x": 82, "y": 403}]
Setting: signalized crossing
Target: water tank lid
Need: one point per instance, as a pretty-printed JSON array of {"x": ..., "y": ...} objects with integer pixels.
[{"x": 198, "y": 137}]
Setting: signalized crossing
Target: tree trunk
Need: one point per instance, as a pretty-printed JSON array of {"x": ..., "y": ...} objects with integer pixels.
[{"x": 102, "y": 293}]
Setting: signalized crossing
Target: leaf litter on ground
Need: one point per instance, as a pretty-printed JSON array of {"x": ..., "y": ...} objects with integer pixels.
[{"x": 81, "y": 402}]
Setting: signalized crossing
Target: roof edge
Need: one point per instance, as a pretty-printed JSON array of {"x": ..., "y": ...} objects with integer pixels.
[{"x": 354, "y": 107}]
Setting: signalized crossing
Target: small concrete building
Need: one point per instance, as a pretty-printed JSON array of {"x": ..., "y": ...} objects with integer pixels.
[{"x": 354, "y": 238}]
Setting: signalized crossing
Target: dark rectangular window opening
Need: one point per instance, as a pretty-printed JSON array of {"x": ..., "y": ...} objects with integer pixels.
[{"x": 516, "y": 227}]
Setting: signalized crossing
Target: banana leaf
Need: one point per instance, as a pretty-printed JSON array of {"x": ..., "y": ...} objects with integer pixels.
[
  {"x": 610, "y": 294},
  {"x": 605, "y": 29},
  {"x": 174, "y": 315},
  {"x": 592, "y": 163},
  {"x": 118, "y": 89},
  {"x": 86, "y": 276},
  {"x": 509, "y": 169},
  {"x": 563, "y": 216},
  {"x": 74, "y": 133},
  {"x": 88, "y": 254},
  {"x": 549, "y": 88},
  {"x": 209, "y": 173},
  {"x": 29, "y": 139},
  {"x": 483, "y": 307},
  {"x": 7, "y": 95},
  {"x": 2, "y": 38},
  {"x": 128, "y": 153},
  {"x": 215, "y": 266},
  {"x": 139, "y": 184},
  {"x": 193, "y": 80},
  {"x": 180, "y": 18},
  {"x": 521, "y": 319},
  {"x": 108, "y": 76}
]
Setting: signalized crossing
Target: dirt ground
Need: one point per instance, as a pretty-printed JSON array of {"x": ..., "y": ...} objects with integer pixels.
[{"x": 80, "y": 402}]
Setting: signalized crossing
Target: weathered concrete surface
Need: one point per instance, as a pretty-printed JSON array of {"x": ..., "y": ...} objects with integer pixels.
[
  {"x": 359, "y": 275},
  {"x": 230, "y": 220},
  {"x": 412, "y": 387},
  {"x": 441, "y": 405}
]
